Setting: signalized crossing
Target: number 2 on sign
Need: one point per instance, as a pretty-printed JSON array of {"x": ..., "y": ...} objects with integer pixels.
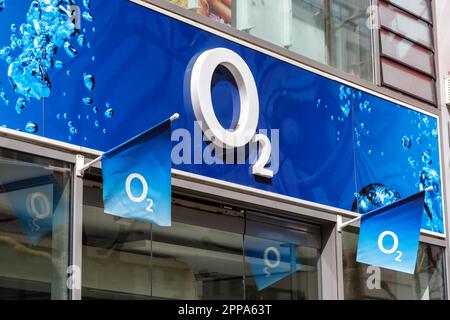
[{"x": 150, "y": 205}]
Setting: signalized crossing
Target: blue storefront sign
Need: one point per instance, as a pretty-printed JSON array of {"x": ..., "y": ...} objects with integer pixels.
[
  {"x": 389, "y": 237},
  {"x": 101, "y": 79}
]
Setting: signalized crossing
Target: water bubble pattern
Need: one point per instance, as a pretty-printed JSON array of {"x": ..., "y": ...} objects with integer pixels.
[
  {"x": 31, "y": 54},
  {"x": 48, "y": 27},
  {"x": 31, "y": 127},
  {"x": 417, "y": 165},
  {"x": 374, "y": 196}
]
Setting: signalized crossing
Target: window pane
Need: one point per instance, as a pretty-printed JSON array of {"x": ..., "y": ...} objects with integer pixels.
[
  {"x": 308, "y": 25},
  {"x": 332, "y": 32},
  {"x": 281, "y": 263},
  {"x": 350, "y": 39},
  {"x": 34, "y": 226},
  {"x": 198, "y": 260},
  {"x": 406, "y": 52},
  {"x": 407, "y": 80},
  {"x": 420, "y": 8},
  {"x": 361, "y": 281},
  {"x": 198, "y": 257},
  {"x": 406, "y": 25},
  {"x": 113, "y": 266}
]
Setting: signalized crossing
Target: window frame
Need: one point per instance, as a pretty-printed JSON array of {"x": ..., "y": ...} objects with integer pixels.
[{"x": 26, "y": 145}]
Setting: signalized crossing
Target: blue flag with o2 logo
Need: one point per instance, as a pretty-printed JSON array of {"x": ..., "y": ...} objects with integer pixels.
[
  {"x": 137, "y": 177},
  {"x": 270, "y": 261},
  {"x": 389, "y": 237}
]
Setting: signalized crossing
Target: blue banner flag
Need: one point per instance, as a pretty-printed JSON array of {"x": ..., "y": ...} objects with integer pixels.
[
  {"x": 389, "y": 237},
  {"x": 137, "y": 177},
  {"x": 270, "y": 261}
]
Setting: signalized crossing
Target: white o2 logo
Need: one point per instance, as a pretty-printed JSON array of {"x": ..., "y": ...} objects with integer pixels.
[
  {"x": 38, "y": 205},
  {"x": 143, "y": 196},
  {"x": 245, "y": 130},
  {"x": 271, "y": 263},
  {"x": 394, "y": 247}
]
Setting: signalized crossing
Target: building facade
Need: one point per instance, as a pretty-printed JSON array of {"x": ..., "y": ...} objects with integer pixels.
[{"x": 346, "y": 98}]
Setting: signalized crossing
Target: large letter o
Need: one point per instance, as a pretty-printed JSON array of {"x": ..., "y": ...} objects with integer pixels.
[
  {"x": 144, "y": 193},
  {"x": 41, "y": 212},
  {"x": 272, "y": 263},
  {"x": 380, "y": 242},
  {"x": 201, "y": 78}
]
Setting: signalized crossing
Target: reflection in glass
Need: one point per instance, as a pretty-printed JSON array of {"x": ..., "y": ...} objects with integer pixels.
[
  {"x": 197, "y": 262},
  {"x": 34, "y": 227},
  {"x": 332, "y": 32},
  {"x": 200, "y": 257},
  {"x": 349, "y": 38},
  {"x": 112, "y": 268},
  {"x": 366, "y": 282},
  {"x": 281, "y": 262},
  {"x": 193, "y": 259}
]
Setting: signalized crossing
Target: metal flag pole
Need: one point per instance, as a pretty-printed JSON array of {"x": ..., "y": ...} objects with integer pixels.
[
  {"x": 341, "y": 225},
  {"x": 81, "y": 167}
]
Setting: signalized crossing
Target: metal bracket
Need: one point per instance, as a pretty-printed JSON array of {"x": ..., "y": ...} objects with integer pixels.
[
  {"x": 80, "y": 167},
  {"x": 341, "y": 225}
]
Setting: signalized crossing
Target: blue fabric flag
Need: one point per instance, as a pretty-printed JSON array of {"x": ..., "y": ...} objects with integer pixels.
[
  {"x": 137, "y": 177},
  {"x": 270, "y": 261},
  {"x": 389, "y": 237}
]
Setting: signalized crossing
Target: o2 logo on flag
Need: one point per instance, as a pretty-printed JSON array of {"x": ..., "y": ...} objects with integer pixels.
[
  {"x": 394, "y": 247},
  {"x": 270, "y": 261},
  {"x": 143, "y": 196},
  {"x": 389, "y": 237}
]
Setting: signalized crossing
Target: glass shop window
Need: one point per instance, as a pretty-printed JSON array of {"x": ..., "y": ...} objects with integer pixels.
[
  {"x": 210, "y": 252},
  {"x": 112, "y": 266},
  {"x": 333, "y": 32},
  {"x": 199, "y": 257},
  {"x": 34, "y": 226},
  {"x": 367, "y": 282},
  {"x": 281, "y": 259}
]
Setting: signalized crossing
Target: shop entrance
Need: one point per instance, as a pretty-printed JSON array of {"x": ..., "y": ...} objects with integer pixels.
[{"x": 212, "y": 251}]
